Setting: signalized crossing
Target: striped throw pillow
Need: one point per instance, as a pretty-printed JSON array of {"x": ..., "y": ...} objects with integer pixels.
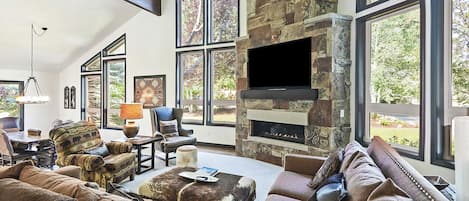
[{"x": 169, "y": 128}]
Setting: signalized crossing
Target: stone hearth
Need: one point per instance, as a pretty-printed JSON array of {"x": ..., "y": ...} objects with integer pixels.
[{"x": 325, "y": 129}]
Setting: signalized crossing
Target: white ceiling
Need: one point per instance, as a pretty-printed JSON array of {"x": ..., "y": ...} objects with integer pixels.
[{"x": 74, "y": 27}]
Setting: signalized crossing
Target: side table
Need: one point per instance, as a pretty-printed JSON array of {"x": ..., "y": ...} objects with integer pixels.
[{"x": 139, "y": 143}]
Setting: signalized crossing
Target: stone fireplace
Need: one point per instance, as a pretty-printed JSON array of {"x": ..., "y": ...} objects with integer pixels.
[
  {"x": 278, "y": 131},
  {"x": 325, "y": 120}
]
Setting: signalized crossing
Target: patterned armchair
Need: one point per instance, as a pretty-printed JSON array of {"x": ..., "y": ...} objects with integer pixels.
[{"x": 75, "y": 140}]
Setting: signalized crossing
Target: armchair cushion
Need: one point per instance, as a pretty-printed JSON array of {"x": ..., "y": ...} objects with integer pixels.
[
  {"x": 119, "y": 147},
  {"x": 87, "y": 162},
  {"x": 177, "y": 141},
  {"x": 293, "y": 185},
  {"x": 114, "y": 163},
  {"x": 14, "y": 171},
  {"x": 169, "y": 128}
]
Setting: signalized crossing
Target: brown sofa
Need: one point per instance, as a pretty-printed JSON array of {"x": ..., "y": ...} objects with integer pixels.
[
  {"x": 24, "y": 182},
  {"x": 292, "y": 184}
]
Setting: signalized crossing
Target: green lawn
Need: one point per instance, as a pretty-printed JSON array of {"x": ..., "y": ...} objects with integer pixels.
[{"x": 411, "y": 134}]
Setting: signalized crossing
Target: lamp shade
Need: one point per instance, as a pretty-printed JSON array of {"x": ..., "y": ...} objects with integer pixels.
[{"x": 131, "y": 111}]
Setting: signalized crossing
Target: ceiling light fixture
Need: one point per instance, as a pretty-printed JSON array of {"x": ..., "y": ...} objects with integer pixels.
[{"x": 28, "y": 98}]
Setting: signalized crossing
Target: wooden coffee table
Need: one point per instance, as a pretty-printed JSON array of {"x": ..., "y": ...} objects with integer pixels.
[{"x": 170, "y": 186}]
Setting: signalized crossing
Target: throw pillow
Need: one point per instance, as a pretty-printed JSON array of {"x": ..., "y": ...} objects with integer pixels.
[
  {"x": 332, "y": 189},
  {"x": 330, "y": 167},
  {"x": 98, "y": 151},
  {"x": 350, "y": 152},
  {"x": 169, "y": 128},
  {"x": 362, "y": 177},
  {"x": 388, "y": 191},
  {"x": 15, "y": 171}
]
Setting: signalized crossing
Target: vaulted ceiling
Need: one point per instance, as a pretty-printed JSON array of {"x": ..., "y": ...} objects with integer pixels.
[{"x": 74, "y": 27}]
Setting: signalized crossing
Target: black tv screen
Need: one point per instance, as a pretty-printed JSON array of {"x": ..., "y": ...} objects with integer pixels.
[{"x": 284, "y": 65}]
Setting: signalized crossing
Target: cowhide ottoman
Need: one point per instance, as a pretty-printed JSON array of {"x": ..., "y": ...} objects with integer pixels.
[{"x": 170, "y": 186}]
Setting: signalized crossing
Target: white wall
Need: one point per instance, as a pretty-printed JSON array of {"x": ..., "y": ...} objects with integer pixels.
[
  {"x": 150, "y": 51},
  {"x": 347, "y": 7},
  {"x": 38, "y": 116}
]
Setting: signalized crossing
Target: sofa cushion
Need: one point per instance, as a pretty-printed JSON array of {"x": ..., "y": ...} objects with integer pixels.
[
  {"x": 58, "y": 183},
  {"x": 14, "y": 171},
  {"x": 115, "y": 163},
  {"x": 402, "y": 173},
  {"x": 362, "y": 176},
  {"x": 292, "y": 185},
  {"x": 388, "y": 191},
  {"x": 12, "y": 189},
  {"x": 169, "y": 128},
  {"x": 330, "y": 167},
  {"x": 275, "y": 197}
]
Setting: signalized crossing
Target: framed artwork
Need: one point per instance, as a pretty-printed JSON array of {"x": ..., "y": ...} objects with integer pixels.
[
  {"x": 73, "y": 97},
  {"x": 66, "y": 98},
  {"x": 150, "y": 90}
]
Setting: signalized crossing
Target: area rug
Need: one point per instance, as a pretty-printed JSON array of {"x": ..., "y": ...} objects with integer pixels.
[{"x": 263, "y": 173}]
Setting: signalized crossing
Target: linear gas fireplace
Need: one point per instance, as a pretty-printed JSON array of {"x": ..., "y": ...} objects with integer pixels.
[{"x": 278, "y": 131}]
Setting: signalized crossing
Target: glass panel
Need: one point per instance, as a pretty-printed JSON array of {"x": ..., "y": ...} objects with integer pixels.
[
  {"x": 191, "y": 22},
  {"x": 8, "y": 94},
  {"x": 223, "y": 20},
  {"x": 395, "y": 59},
  {"x": 116, "y": 92},
  {"x": 94, "y": 64},
  {"x": 224, "y": 86},
  {"x": 93, "y": 98},
  {"x": 460, "y": 50},
  {"x": 192, "y": 65},
  {"x": 396, "y": 129},
  {"x": 118, "y": 48},
  {"x": 371, "y": 1}
]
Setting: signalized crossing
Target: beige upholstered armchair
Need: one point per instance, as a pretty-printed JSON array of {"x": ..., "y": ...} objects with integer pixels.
[{"x": 81, "y": 144}]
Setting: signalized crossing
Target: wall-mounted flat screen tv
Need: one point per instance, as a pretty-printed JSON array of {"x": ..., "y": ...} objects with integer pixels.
[{"x": 280, "y": 66}]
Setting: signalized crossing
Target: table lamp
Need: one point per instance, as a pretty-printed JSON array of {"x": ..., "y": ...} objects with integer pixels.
[{"x": 131, "y": 112}]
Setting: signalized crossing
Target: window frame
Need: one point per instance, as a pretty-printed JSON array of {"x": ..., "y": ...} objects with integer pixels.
[
  {"x": 180, "y": 80},
  {"x": 84, "y": 65},
  {"x": 112, "y": 44},
  {"x": 209, "y": 22},
  {"x": 83, "y": 93},
  {"x": 105, "y": 91},
  {"x": 178, "y": 26},
  {"x": 21, "y": 106},
  {"x": 361, "y": 104},
  {"x": 210, "y": 81},
  {"x": 441, "y": 101}
]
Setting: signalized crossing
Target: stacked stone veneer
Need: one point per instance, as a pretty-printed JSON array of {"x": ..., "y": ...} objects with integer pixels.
[{"x": 275, "y": 21}]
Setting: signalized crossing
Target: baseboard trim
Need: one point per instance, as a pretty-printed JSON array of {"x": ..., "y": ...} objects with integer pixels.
[{"x": 216, "y": 145}]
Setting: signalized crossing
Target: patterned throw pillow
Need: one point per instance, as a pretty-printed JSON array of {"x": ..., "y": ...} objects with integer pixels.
[
  {"x": 169, "y": 128},
  {"x": 330, "y": 167}
]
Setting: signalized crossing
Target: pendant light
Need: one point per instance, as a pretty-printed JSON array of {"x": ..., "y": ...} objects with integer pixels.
[{"x": 29, "y": 98}]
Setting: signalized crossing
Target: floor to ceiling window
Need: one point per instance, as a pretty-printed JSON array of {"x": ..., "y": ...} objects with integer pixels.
[
  {"x": 206, "y": 60},
  {"x": 390, "y": 71},
  {"x": 103, "y": 81}
]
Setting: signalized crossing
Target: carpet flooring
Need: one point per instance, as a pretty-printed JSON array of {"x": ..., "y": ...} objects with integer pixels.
[{"x": 263, "y": 173}]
